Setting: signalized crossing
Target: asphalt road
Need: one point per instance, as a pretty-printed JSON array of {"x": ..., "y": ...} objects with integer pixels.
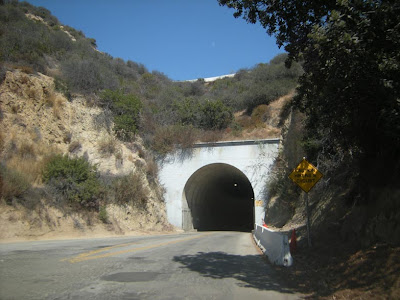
[{"x": 210, "y": 265}]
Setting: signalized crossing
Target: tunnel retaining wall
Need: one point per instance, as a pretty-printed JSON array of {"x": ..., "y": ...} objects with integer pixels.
[{"x": 275, "y": 245}]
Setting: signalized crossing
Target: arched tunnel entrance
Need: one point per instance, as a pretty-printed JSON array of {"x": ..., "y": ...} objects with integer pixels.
[{"x": 218, "y": 197}]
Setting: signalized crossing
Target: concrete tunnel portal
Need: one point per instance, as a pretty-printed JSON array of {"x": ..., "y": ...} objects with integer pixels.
[{"x": 218, "y": 197}]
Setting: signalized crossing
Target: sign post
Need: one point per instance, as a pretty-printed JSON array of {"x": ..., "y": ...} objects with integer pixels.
[{"x": 305, "y": 175}]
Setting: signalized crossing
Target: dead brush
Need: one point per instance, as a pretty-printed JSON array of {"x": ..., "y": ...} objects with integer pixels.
[
  {"x": 26, "y": 150},
  {"x": 151, "y": 170},
  {"x": 14, "y": 184},
  {"x": 56, "y": 102},
  {"x": 29, "y": 166},
  {"x": 130, "y": 189},
  {"x": 25, "y": 69},
  {"x": 2, "y": 141},
  {"x": 74, "y": 146},
  {"x": 107, "y": 146},
  {"x": 209, "y": 136}
]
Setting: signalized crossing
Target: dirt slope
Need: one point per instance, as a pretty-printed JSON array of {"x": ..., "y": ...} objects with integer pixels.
[{"x": 37, "y": 121}]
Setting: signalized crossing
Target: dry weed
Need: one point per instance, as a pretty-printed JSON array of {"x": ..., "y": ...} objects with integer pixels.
[
  {"x": 15, "y": 108},
  {"x": 151, "y": 170},
  {"x": 13, "y": 183},
  {"x": 58, "y": 106},
  {"x": 32, "y": 93},
  {"x": 67, "y": 137},
  {"x": 26, "y": 150},
  {"x": 24, "y": 79},
  {"x": 74, "y": 146},
  {"x": 29, "y": 166},
  {"x": 119, "y": 154},
  {"x": 210, "y": 136},
  {"x": 24, "y": 69},
  {"x": 2, "y": 141},
  {"x": 35, "y": 134},
  {"x": 107, "y": 146}
]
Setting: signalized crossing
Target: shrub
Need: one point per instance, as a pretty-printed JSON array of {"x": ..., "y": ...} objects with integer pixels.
[
  {"x": 107, "y": 146},
  {"x": 103, "y": 216},
  {"x": 126, "y": 110},
  {"x": 130, "y": 189},
  {"x": 187, "y": 111},
  {"x": 26, "y": 150},
  {"x": 56, "y": 102},
  {"x": 62, "y": 87},
  {"x": 168, "y": 137},
  {"x": 74, "y": 179},
  {"x": 13, "y": 184},
  {"x": 26, "y": 69},
  {"x": 125, "y": 127},
  {"x": 215, "y": 115},
  {"x": 74, "y": 146},
  {"x": 151, "y": 170}
]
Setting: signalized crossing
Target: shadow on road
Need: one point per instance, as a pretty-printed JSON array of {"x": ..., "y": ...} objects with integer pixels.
[{"x": 249, "y": 270}]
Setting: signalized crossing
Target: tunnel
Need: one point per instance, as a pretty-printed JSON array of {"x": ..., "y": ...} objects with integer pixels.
[{"x": 218, "y": 197}]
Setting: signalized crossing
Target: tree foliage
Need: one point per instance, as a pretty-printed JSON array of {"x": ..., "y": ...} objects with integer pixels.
[
  {"x": 74, "y": 179},
  {"x": 349, "y": 51},
  {"x": 142, "y": 102},
  {"x": 126, "y": 109}
]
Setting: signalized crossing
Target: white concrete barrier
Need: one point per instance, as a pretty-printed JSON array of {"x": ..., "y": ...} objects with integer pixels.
[{"x": 275, "y": 245}]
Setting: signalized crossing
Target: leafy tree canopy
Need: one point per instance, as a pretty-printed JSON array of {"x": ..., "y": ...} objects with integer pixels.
[{"x": 350, "y": 53}]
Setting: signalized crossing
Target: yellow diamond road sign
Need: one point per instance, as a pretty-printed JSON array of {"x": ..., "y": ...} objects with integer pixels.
[{"x": 305, "y": 175}]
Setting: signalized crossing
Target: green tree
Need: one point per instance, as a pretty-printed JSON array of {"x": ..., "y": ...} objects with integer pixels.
[
  {"x": 215, "y": 115},
  {"x": 350, "y": 89},
  {"x": 126, "y": 109}
]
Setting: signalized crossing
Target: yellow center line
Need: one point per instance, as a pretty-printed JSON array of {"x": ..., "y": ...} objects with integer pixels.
[
  {"x": 88, "y": 255},
  {"x": 102, "y": 250}
]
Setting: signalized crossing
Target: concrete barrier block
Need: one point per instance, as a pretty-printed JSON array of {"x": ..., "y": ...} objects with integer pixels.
[{"x": 275, "y": 245}]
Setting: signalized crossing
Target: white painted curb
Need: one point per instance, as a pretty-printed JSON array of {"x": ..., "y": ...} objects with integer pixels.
[{"x": 275, "y": 245}]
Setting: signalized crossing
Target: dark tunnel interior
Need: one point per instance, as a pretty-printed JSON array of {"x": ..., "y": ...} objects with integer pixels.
[{"x": 218, "y": 197}]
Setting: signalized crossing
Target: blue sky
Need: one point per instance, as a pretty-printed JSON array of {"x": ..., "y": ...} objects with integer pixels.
[{"x": 184, "y": 39}]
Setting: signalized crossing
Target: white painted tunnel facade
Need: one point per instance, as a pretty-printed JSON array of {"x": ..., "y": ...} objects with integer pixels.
[{"x": 183, "y": 174}]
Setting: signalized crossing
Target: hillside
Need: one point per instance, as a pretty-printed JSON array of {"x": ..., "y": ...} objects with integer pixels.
[
  {"x": 37, "y": 122},
  {"x": 80, "y": 130}
]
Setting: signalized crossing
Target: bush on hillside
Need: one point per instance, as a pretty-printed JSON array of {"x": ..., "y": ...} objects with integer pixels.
[
  {"x": 215, "y": 115},
  {"x": 130, "y": 189},
  {"x": 13, "y": 184},
  {"x": 168, "y": 138},
  {"x": 87, "y": 75},
  {"x": 74, "y": 179},
  {"x": 126, "y": 110}
]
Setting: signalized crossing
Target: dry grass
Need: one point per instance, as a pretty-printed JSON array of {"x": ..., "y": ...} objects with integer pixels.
[
  {"x": 32, "y": 93},
  {"x": 210, "y": 136},
  {"x": 130, "y": 189},
  {"x": 24, "y": 156},
  {"x": 57, "y": 102},
  {"x": 151, "y": 170},
  {"x": 119, "y": 154},
  {"x": 15, "y": 108},
  {"x": 13, "y": 183},
  {"x": 25, "y": 69},
  {"x": 2, "y": 141},
  {"x": 26, "y": 150},
  {"x": 29, "y": 166},
  {"x": 107, "y": 146},
  {"x": 74, "y": 146}
]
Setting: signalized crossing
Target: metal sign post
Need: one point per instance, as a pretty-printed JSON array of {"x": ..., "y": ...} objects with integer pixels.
[
  {"x": 305, "y": 175},
  {"x": 308, "y": 219}
]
